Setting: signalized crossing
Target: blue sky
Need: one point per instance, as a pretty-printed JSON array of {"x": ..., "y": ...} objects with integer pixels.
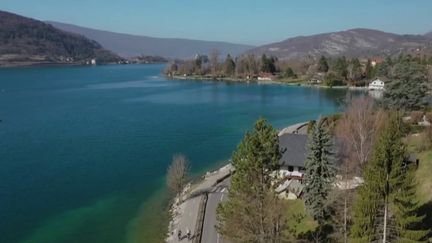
[{"x": 239, "y": 21}]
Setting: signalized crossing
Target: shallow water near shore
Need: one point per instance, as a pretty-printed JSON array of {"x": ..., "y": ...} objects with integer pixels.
[{"x": 84, "y": 150}]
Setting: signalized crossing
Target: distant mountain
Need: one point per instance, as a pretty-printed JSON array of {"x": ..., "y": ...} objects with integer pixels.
[
  {"x": 132, "y": 45},
  {"x": 28, "y": 41},
  {"x": 429, "y": 35},
  {"x": 350, "y": 43}
]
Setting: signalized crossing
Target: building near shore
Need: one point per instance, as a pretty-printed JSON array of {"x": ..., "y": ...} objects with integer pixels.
[
  {"x": 294, "y": 148},
  {"x": 266, "y": 77},
  {"x": 377, "y": 84}
]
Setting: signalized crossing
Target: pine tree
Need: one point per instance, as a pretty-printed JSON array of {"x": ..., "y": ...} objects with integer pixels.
[
  {"x": 323, "y": 65},
  {"x": 268, "y": 64},
  {"x": 340, "y": 67},
  {"x": 407, "y": 89},
  {"x": 369, "y": 69},
  {"x": 320, "y": 171},
  {"x": 229, "y": 65},
  {"x": 383, "y": 69},
  {"x": 253, "y": 212},
  {"x": 405, "y": 207},
  {"x": 289, "y": 73},
  {"x": 385, "y": 207}
]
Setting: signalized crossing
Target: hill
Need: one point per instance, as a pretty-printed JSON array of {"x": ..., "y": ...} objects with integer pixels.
[
  {"x": 28, "y": 41},
  {"x": 429, "y": 35},
  {"x": 350, "y": 43},
  {"x": 127, "y": 45}
]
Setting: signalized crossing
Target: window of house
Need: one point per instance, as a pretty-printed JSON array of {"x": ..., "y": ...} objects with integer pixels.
[{"x": 290, "y": 168}]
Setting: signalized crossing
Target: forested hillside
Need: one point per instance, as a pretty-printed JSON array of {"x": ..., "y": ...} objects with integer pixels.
[{"x": 28, "y": 41}]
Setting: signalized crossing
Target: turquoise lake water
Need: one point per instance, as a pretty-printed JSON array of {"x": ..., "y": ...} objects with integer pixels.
[{"x": 84, "y": 150}]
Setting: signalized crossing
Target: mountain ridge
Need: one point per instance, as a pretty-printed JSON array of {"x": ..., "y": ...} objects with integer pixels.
[
  {"x": 358, "y": 42},
  {"x": 128, "y": 45}
]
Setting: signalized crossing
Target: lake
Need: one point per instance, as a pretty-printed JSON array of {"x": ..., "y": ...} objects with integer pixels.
[{"x": 84, "y": 150}]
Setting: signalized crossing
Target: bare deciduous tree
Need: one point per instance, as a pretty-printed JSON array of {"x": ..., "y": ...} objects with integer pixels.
[
  {"x": 214, "y": 62},
  {"x": 177, "y": 174},
  {"x": 356, "y": 132}
]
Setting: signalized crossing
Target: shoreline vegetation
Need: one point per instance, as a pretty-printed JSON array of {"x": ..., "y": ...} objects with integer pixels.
[
  {"x": 406, "y": 124},
  {"x": 298, "y": 82},
  {"x": 332, "y": 72}
]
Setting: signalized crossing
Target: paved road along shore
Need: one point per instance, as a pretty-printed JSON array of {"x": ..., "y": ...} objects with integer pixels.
[
  {"x": 186, "y": 214},
  {"x": 212, "y": 190},
  {"x": 217, "y": 195}
]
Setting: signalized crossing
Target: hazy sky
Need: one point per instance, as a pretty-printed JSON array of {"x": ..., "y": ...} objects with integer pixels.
[{"x": 240, "y": 21}]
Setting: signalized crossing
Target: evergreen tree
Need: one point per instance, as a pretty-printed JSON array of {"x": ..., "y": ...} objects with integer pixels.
[
  {"x": 405, "y": 210},
  {"x": 320, "y": 171},
  {"x": 253, "y": 212},
  {"x": 369, "y": 69},
  {"x": 382, "y": 69},
  {"x": 340, "y": 67},
  {"x": 385, "y": 207},
  {"x": 197, "y": 68},
  {"x": 323, "y": 65},
  {"x": 268, "y": 64},
  {"x": 229, "y": 65},
  {"x": 289, "y": 73},
  {"x": 407, "y": 89}
]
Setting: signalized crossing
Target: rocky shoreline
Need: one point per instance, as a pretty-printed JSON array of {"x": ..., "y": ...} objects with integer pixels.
[
  {"x": 187, "y": 208},
  {"x": 193, "y": 196}
]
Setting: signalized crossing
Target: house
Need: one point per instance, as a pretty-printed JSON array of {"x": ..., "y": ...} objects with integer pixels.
[
  {"x": 377, "y": 84},
  {"x": 317, "y": 78},
  {"x": 294, "y": 148},
  {"x": 265, "y": 77},
  {"x": 93, "y": 62},
  {"x": 315, "y": 81}
]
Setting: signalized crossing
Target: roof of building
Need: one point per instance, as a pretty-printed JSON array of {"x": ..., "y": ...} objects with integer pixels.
[{"x": 294, "y": 148}]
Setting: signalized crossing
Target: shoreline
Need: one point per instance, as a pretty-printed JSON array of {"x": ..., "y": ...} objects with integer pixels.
[
  {"x": 247, "y": 81},
  {"x": 209, "y": 179},
  {"x": 193, "y": 199},
  {"x": 55, "y": 64}
]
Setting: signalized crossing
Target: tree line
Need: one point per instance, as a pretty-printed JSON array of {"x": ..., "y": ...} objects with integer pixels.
[
  {"x": 330, "y": 71},
  {"x": 213, "y": 66}
]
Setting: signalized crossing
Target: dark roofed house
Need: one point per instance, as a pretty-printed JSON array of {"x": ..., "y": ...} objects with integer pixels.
[{"x": 294, "y": 148}]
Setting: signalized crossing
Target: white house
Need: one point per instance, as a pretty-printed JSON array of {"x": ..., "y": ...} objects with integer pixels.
[{"x": 377, "y": 84}]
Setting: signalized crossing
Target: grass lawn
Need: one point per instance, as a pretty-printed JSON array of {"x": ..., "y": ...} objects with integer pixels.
[
  {"x": 423, "y": 177},
  {"x": 423, "y": 174},
  {"x": 299, "y": 221}
]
